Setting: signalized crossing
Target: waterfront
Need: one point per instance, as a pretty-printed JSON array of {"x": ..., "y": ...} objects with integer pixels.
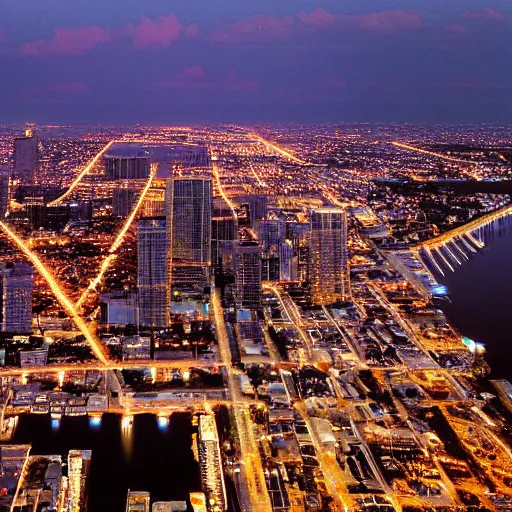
[
  {"x": 479, "y": 290},
  {"x": 153, "y": 457}
]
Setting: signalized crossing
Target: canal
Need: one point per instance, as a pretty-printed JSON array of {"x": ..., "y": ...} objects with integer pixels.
[{"x": 148, "y": 455}]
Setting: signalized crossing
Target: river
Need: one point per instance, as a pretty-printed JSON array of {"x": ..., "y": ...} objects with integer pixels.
[{"x": 152, "y": 457}]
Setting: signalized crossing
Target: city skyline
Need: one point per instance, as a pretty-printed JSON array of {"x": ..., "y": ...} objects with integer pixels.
[{"x": 308, "y": 61}]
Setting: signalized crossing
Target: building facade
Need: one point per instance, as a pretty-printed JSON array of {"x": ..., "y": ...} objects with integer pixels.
[
  {"x": 329, "y": 274},
  {"x": 153, "y": 272},
  {"x": 16, "y": 286}
]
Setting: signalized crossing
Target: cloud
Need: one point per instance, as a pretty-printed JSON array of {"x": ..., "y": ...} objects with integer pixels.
[
  {"x": 270, "y": 28},
  {"x": 465, "y": 85},
  {"x": 195, "y": 77},
  {"x": 147, "y": 33},
  {"x": 386, "y": 21},
  {"x": 232, "y": 81},
  {"x": 159, "y": 33},
  {"x": 192, "y": 77},
  {"x": 317, "y": 18},
  {"x": 485, "y": 14},
  {"x": 69, "y": 41},
  {"x": 261, "y": 27},
  {"x": 334, "y": 82},
  {"x": 68, "y": 87}
]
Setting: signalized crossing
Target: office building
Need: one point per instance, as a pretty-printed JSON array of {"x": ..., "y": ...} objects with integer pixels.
[
  {"x": 154, "y": 203},
  {"x": 138, "y": 501},
  {"x": 210, "y": 464},
  {"x": 329, "y": 274},
  {"x": 79, "y": 463},
  {"x": 136, "y": 348},
  {"x": 123, "y": 201},
  {"x": 4, "y": 191},
  {"x": 126, "y": 167},
  {"x": 247, "y": 271},
  {"x": 26, "y": 157},
  {"x": 189, "y": 225},
  {"x": 16, "y": 285},
  {"x": 118, "y": 308},
  {"x": 224, "y": 233},
  {"x": 153, "y": 272},
  {"x": 271, "y": 233}
]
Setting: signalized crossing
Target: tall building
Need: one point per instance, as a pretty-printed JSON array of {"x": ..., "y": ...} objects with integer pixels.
[
  {"x": 4, "y": 191},
  {"x": 329, "y": 274},
  {"x": 26, "y": 157},
  {"x": 271, "y": 233},
  {"x": 189, "y": 225},
  {"x": 248, "y": 271},
  {"x": 153, "y": 272},
  {"x": 123, "y": 200},
  {"x": 16, "y": 285},
  {"x": 210, "y": 464},
  {"x": 138, "y": 501},
  {"x": 79, "y": 462},
  {"x": 126, "y": 167}
]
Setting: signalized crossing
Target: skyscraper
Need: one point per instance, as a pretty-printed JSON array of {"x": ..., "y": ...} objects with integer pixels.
[
  {"x": 189, "y": 225},
  {"x": 248, "y": 271},
  {"x": 329, "y": 275},
  {"x": 16, "y": 285},
  {"x": 126, "y": 167},
  {"x": 26, "y": 157},
  {"x": 4, "y": 191},
  {"x": 210, "y": 464},
  {"x": 153, "y": 272}
]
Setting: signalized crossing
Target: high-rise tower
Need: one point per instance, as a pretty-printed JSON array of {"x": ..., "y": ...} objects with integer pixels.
[
  {"x": 26, "y": 156},
  {"x": 189, "y": 227},
  {"x": 16, "y": 285},
  {"x": 153, "y": 272},
  {"x": 329, "y": 274}
]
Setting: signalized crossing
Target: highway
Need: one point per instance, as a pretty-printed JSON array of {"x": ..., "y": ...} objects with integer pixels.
[
  {"x": 96, "y": 346},
  {"x": 277, "y": 149},
  {"x": 251, "y": 460},
  {"x": 402, "y": 145},
  {"x": 110, "y": 258},
  {"x": 78, "y": 179},
  {"x": 182, "y": 364}
]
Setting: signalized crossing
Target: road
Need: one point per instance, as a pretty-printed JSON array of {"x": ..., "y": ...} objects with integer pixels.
[
  {"x": 251, "y": 460},
  {"x": 78, "y": 179},
  {"x": 95, "y": 344},
  {"x": 111, "y": 257},
  {"x": 277, "y": 149}
]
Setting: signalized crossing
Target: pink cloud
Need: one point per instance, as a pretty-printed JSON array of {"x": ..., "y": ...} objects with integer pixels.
[
  {"x": 469, "y": 85},
  {"x": 159, "y": 33},
  {"x": 195, "y": 77},
  {"x": 456, "y": 28},
  {"x": 334, "y": 82},
  {"x": 68, "y": 87},
  {"x": 261, "y": 27},
  {"x": 147, "y": 33},
  {"x": 269, "y": 28},
  {"x": 192, "y": 77},
  {"x": 387, "y": 21},
  {"x": 232, "y": 81},
  {"x": 191, "y": 31},
  {"x": 485, "y": 14},
  {"x": 317, "y": 18},
  {"x": 69, "y": 41}
]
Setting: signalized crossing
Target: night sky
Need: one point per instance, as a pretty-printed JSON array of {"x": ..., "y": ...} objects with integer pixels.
[{"x": 195, "y": 61}]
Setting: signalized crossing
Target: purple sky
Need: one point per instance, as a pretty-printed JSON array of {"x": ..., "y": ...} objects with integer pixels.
[{"x": 255, "y": 60}]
